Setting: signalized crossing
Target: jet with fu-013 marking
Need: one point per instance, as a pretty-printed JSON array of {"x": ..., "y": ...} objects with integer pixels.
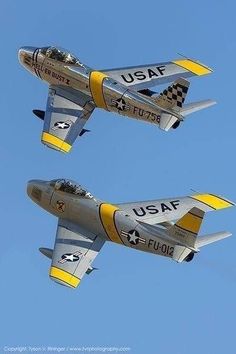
[
  {"x": 166, "y": 227},
  {"x": 75, "y": 90}
]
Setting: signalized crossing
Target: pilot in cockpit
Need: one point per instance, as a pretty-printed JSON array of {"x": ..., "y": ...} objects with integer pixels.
[
  {"x": 70, "y": 187},
  {"x": 60, "y": 55}
]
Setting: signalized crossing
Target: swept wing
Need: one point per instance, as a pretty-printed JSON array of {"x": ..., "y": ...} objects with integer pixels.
[
  {"x": 73, "y": 253},
  {"x": 145, "y": 76},
  {"x": 165, "y": 211},
  {"x": 66, "y": 114}
]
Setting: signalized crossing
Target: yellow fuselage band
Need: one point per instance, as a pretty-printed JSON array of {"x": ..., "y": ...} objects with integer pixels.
[
  {"x": 107, "y": 216},
  {"x": 96, "y": 87}
]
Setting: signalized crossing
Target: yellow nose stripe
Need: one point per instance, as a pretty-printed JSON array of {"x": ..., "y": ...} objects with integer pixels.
[
  {"x": 107, "y": 216},
  {"x": 96, "y": 87},
  {"x": 194, "y": 67}
]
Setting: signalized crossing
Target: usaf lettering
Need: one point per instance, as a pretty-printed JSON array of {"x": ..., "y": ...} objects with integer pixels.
[
  {"x": 142, "y": 75},
  {"x": 152, "y": 209}
]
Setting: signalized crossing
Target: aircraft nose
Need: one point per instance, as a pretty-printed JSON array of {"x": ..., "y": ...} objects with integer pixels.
[
  {"x": 35, "y": 189},
  {"x": 24, "y": 53}
]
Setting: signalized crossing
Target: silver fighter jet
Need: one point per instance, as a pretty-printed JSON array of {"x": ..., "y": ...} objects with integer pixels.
[
  {"x": 166, "y": 227},
  {"x": 75, "y": 90}
]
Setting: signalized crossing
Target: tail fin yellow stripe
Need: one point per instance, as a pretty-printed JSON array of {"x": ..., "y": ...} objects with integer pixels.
[
  {"x": 64, "y": 276},
  {"x": 96, "y": 87},
  {"x": 107, "y": 216},
  {"x": 194, "y": 67},
  {"x": 191, "y": 222},
  {"x": 213, "y": 201}
]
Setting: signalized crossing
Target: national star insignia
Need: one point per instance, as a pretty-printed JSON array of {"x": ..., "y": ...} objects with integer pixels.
[
  {"x": 133, "y": 237},
  {"x": 70, "y": 257},
  {"x": 120, "y": 104},
  {"x": 62, "y": 125}
]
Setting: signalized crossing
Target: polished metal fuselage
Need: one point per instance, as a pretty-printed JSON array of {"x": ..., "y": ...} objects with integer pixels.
[
  {"x": 100, "y": 218},
  {"x": 107, "y": 92}
]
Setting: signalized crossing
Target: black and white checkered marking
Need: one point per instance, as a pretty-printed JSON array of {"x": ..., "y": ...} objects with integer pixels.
[
  {"x": 176, "y": 92},
  {"x": 70, "y": 257},
  {"x": 133, "y": 237}
]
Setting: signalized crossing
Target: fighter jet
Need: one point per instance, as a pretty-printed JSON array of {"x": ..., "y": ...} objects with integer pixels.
[
  {"x": 166, "y": 227},
  {"x": 75, "y": 90}
]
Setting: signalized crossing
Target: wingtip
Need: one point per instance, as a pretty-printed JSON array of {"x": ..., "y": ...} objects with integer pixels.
[
  {"x": 193, "y": 65},
  {"x": 214, "y": 201}
]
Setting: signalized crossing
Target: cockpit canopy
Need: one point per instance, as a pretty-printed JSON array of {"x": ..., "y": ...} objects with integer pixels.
[
  {"x": 71, "y": 187},
  {"x": 60, "y": 54}
]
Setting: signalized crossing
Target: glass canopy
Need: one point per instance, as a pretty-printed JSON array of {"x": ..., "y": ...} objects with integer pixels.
[
  {"x": 60, "y": 54},
  {"x": 69, "y": 186}
]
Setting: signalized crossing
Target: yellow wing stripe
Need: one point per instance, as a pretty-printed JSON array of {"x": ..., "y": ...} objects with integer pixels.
[
  {"x": 55, "y": 141},
  {"x": 190, "y": 222},
  {"x": 194, "y": 67},
  {"x": 213, "y": 201},
  {"x": 96, "y": 87},
  {"x": 107, "y": 216},
  {"x": 64, "y": 276}
]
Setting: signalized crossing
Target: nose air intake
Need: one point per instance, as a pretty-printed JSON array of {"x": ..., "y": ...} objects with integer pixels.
[
  {"x": 35, "y": 189},
  {"x": 24, "y": 51}
]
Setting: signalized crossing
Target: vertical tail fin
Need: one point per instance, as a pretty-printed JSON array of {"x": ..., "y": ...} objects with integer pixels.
[
  {"x": 172, "y": 98},
  {"x": 174, "y": 95},
  {"x": 185, "y": 232},
  {"x": 186, "y": 229}
]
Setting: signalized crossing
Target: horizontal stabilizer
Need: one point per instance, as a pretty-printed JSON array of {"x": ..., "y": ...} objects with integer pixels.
[
  {"x": 180, "y": 253},
  {"x": 205, "y": 240},
  {"x": 196, "y": 106}
]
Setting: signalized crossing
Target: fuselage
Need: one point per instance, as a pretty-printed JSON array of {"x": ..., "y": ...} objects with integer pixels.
[
  {"x": 100, "y": 218},
  {"x": 105, "y": 92}
]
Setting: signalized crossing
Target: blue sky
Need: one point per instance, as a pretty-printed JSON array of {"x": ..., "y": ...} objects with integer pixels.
[{"x": 137, "y": 300}]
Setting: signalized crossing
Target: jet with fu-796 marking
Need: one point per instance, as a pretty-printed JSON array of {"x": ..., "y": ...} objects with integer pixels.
[
  {"x": 75, "y": 90},
  {"x": 166, "y": 227}
]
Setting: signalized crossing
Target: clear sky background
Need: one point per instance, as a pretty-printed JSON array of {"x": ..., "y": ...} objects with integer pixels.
[{"x": 138, "y": 300}]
